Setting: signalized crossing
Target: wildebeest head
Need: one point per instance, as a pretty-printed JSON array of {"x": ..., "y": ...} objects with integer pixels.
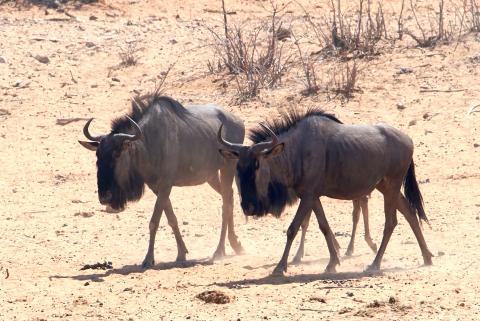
[
  {"x": 260, "y": 193},
  {"x": 117, "y": 180}
]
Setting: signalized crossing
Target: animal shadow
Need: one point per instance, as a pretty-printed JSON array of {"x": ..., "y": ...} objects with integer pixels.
[{"x": 130, "y": 269}]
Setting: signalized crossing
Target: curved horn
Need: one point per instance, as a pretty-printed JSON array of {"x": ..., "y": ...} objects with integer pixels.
[
  {"x": 265, "y": 145},
  {"x": 225, "y": 143},
  {"x": 87, "y": 134},
  {"x": 138, "y": 132}
]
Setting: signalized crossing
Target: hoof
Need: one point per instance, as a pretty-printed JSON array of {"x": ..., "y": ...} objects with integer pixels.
[
  {"x": 218, "y": 255},
  {"x": 297, "y": 259},
  {"x": 427, "y": 261},
  {"x": 279, "y": 271},
  {"x": 148, "y": 263},
  {"x": 372, "y": 268},
  {"x": 238, "y": 249},
  {"x": 331, "y": 269},
  {"x": 181, "y": 258}
]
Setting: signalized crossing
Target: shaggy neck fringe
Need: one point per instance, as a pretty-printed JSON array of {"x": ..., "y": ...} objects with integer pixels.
[{"x": 142, "y": 104}]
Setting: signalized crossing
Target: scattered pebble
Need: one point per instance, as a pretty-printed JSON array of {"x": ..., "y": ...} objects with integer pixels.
[
  {"x": 2, "y": 60},
  {"x": 213, "y": 296},
  {"x": 42, "y": 59},
  {"x": 441, "y": 253}
]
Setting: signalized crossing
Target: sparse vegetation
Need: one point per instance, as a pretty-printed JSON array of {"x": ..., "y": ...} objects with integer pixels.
[
  {"x": 344, "y": 77},
  {"x": 255, "y": 55},
  {"x": 357, "y": 34},
  {"x": 128, "y": 55}
]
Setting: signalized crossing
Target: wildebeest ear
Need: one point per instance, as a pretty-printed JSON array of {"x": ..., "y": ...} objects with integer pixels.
[
  {"x": 228, "y": 154},
  {"x": 274, "y": 151},
  {"x": 89, "y": 145}
]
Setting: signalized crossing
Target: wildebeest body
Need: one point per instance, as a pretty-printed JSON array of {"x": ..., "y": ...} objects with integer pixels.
[
  {"x": 163, "y": 144},
  {"x": 313, "y": 155}
]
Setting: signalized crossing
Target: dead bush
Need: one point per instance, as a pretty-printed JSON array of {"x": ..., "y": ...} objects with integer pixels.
[
  {"x": 344, "y": 78},
  {"x": 447, "y": 25},
  {"x": 309, "y": 79},
  {"x": 255, "y": 55},
  {"x": 128, "y": 55},
  {"x": 357, "y": 34}
]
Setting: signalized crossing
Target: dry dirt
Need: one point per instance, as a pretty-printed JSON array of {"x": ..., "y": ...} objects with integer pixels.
[{"x": 52, "y": 224}]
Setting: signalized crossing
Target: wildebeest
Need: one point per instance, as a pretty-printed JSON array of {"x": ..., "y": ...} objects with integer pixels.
[
  {"x": 359, "y": 205},
  {"x": 313, "y": 154},
  {"x": 164, "y": 144}
]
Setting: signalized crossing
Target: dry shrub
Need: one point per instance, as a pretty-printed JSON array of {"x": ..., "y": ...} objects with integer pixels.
[
  {"x": 357, "y": 34},
  {"x": 344, "y": 78},
  {"x": 309, "y": 79},
  {"x": 447, "y": 25},
  {"x": 255, "y": 55},
  {"x": 128, "y": 55}
]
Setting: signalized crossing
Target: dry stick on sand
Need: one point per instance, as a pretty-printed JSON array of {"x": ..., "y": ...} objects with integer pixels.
[
  {"x": 472, "y": 110},
  {"x": 440, "y": 90}
]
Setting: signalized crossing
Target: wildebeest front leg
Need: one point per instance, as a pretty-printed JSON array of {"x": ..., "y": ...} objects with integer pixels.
[
  {"x": 329, "y": 237},
  {"x": 368, "y": 238},
  {"x": 162, "y": 198},
  {"x": 301, "y": 248},
  {"x": 304, "y": 208},
  {"x": 172, "y": 221},
  {"x": 355, "y": 219}
]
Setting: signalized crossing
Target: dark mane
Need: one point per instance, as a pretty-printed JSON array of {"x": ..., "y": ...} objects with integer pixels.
[
  {"x": 141, "y": 104},
  {"x": 287, "y": 121}
]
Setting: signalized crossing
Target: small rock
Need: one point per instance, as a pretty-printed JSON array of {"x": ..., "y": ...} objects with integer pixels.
[
  {"x": 86, "y": 283},
  {"x": 350, "y": 294},
  {"x": 94, "y": 86},
  {"x": 412, "y": 123},
  {"x": 477, "y": 218},
  {"x": 2, "y": 60},
  {"x": 92, "y": 18},
  {"x": 476, "y": 145},
  {"x": 401, "y": 106},
  {"x": 89, "y": 44},
  {"x": 404, "y": 71},
  {"x": 42, "y": 59},
  {"x": 392, "y": 300},
  {"x": 115, "y": 79},
  {"x": 17, "y": 83},
  {"x": 173, "y": 41},
  {"x": 441, "y": 253}
]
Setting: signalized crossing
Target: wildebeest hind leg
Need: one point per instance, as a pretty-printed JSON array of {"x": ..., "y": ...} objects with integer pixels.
[
  {"x": 368, "y": 238},
  {"x": 172, "y": 221},
  {"x": 225, "y": 183},
  {"x": 407, "y": 211},
  {"x": 390, "y": 200},
  {"x": 162, "y": 197},
  {"x": 327, "y": 232},
  {"x": 301, "y": 248},
  {"x": 304, "y": 208}
]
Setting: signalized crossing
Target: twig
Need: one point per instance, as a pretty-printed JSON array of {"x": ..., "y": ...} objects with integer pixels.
[
  {"x": 8, "y": 274},
  {"x": 66, "y": 121},
  {"x": 440, "y": 90},
  {"x": 218, "y": 11},
  {"x": 73, "y": 79},
  {"x": 472, "y": 110}
]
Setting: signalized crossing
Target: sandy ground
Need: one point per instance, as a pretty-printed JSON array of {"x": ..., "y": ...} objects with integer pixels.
[{"x": 52, "y": 224}]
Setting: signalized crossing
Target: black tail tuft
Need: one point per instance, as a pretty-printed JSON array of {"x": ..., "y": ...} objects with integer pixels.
[{"x": 412, "y": 192}]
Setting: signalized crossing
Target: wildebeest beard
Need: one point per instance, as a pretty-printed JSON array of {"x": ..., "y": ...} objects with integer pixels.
[
  {"x": 131, "y": 190},
  {"x": 278, "y": 195}
]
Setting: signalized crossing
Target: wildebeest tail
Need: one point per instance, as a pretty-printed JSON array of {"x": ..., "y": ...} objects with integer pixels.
[{"x": 412, "y": 192}]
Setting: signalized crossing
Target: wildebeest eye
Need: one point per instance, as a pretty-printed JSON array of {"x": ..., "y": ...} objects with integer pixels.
[{"x": 257, "y": 164}]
